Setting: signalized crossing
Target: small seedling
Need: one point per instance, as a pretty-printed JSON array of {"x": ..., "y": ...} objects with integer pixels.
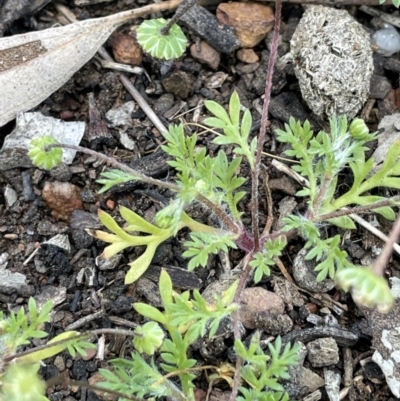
[
  {"x": 19, "y": 371},
  {"x": 186, "y": 319}
]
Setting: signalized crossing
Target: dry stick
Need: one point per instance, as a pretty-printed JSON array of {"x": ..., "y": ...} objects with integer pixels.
[
  {"x": 390, "y": 19},
  {"x": 383, "y": 259}
]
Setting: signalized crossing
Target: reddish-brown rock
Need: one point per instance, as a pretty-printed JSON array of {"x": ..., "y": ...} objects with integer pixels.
[
  {"x": 63, "y": 198},
  {"x": 252, "y": 21},
  {"x": 247, "y": 56},
  {"x": 207, "y": 54},
  {"x": 126, "y": 49},
  {"x": 255, "y": 300}
]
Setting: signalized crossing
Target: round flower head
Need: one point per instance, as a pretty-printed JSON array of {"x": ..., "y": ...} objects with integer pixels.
[
  {"x": 165, "y": 47},
  {"x": 43, "y": 158}
]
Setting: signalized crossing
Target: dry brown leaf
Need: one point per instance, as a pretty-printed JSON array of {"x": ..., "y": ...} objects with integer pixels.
[{"x": 36, "y": 64}]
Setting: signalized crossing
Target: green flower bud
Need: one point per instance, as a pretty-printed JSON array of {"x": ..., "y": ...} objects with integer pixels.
[
  {"x": 22, "y": 383},
  {"x": 367, "y": 289},
  {"x": 148, "y": 338},
  {"x": 358, "y": 129}
]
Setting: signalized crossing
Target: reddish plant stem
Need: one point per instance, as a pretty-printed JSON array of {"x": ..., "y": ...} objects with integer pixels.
[
  {"x": 383, "y": 259},
  {"x": 254, "y": 191},
  {"x": 264, "y": 119}
]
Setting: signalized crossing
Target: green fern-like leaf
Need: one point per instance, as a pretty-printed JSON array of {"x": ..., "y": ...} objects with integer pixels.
[
  {"x": 204, "y": 244},
  {"x": 263, "y": 260},
  {"x": 114, "y": 177},
  {"x": 233, "y": 132},
  {"x": 166, "y": 47}
]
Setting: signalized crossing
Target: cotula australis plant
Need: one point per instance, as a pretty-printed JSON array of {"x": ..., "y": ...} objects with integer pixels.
[{"x": 213, "y": 183}]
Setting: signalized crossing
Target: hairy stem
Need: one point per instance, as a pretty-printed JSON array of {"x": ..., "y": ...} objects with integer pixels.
[
  {"x": 359, "y": 209},
  {"x": 321, "y": 193},
  {"x": 383, "y": 259},
  {"x": 115, "y": 163},
  {"x": 228, "y": 222},
  {"x": 183, "y": 7},
  {"x": 264, "y": 119},
  {"x": 236, "y": 329},
  {"x": 225, "y": 219}
]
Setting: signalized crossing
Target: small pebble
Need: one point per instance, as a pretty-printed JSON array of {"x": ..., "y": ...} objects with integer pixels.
[
  {"x": 247, "y": 56},
  {"x": 207, "y": 54},
  {"x": 323, "y": 352},
  {"x": 256, "y": 300},
  {"x": 63, "y": 198},
  {"x": 126, "y": 49},
  {"x": 387, "y": 39},
  {"x": 10, "y": 196},
  {"x": 67, "y": 115}
]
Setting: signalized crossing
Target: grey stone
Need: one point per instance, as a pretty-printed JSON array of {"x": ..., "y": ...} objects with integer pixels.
[
  {"x": 323, "y": 352},
  {"x": 274, "y": 324}
]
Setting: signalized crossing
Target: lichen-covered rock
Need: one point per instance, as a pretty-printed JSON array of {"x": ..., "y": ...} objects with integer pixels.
[{"x": 332, "y": 60}]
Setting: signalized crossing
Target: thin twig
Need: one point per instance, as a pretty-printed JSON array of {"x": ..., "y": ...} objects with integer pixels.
[
  {"x": 389, "y": 18},
  {"x": 373, "y": 230},
  {"x": 283, "y": 269},
  {"x": 337, "y": 2},
  {"x": 115, "y": 163}
]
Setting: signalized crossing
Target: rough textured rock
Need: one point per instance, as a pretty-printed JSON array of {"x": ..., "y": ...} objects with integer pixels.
[
  {"x": 252, "y": 21},
  {"x": 274, "y": 324},
  {"x": 179, "y": 83},
  {"x": 256, "y": 300},
  {"x": 323, "y": 352},
  {"x": 336, "y": 49}
]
